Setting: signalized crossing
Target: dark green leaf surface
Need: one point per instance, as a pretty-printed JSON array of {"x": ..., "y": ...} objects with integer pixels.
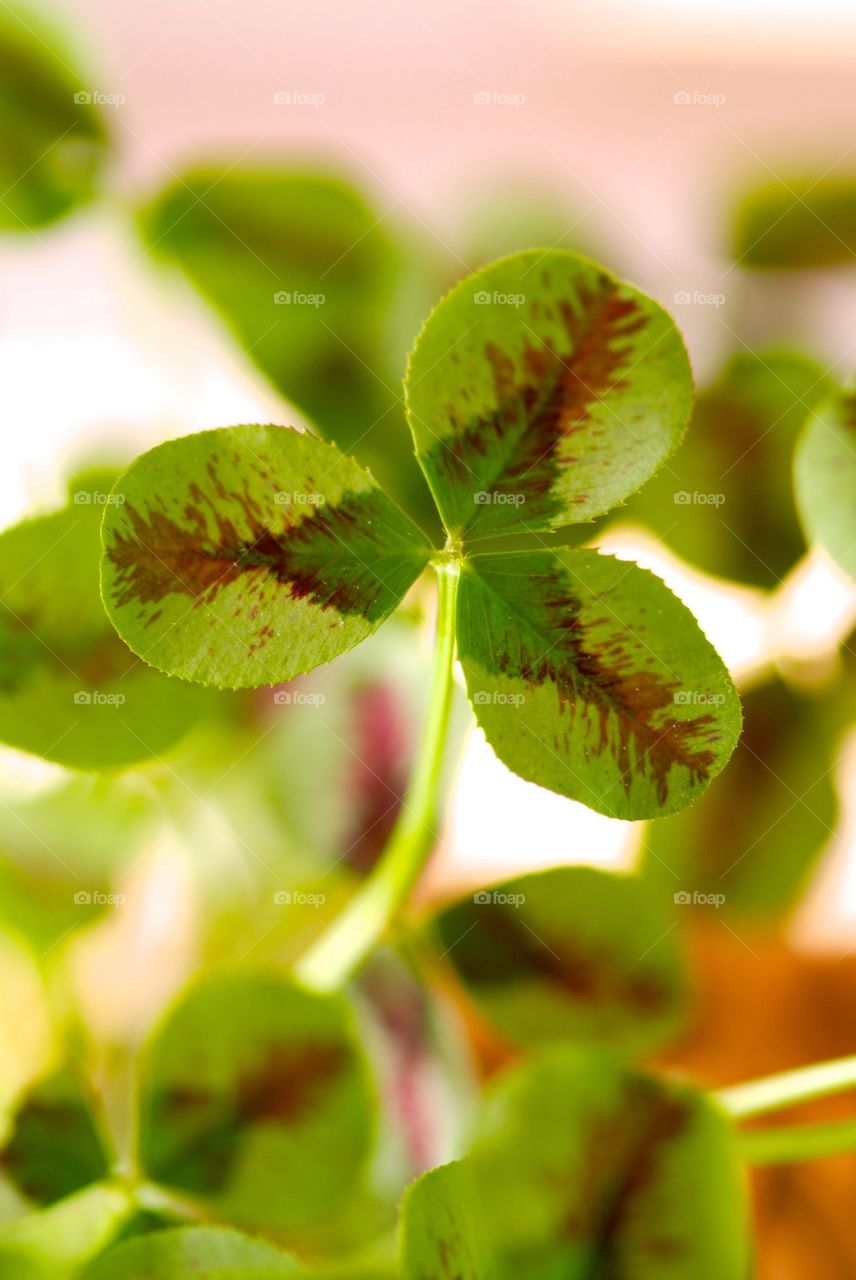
[
  {"x": 748, "y": 846},
  {"x": 571, "y": 953},
  {"x": 257, "y": 1100},
  {"x": 541, "y": 392},
  {"x": 725, "y": 501},
  {"x": 55, "y": 1147},
  {"x": 53, "y": 139},
  {"x": 803, "y": 222},
  {"x": 586, "y": 1168},
  {"x": 589, "y": 677},
  {"x": 70, "y": 690},
  {"x": 203, "y": 1253},
  {"x": 825, "y": 478},
  {"x": 247, "y": 555}
]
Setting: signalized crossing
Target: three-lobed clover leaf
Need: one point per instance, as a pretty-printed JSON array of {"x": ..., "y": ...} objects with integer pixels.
[
  {"x": 257, "y": 1101},
  {"x": 825, "y": 477},
  {"x": 589, "y": 677},
  {"x": 583, "y": 1166},
  {"x": 541, "y": 392},
  {"x": 572, "y": 953},
  {"x": 247, "y": 555},
  {"x": 70, "y": 690}
]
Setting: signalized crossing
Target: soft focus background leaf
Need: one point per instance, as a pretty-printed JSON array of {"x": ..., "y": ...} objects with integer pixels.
[
  {"x": 825, "y": 478},
  {"x": 797, "y": 222}
]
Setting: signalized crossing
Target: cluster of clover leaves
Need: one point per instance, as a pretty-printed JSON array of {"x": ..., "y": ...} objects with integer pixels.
[{"x": 541, "y": 393}]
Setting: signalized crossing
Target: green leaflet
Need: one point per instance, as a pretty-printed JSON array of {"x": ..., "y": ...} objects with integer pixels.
[
  {"x": 589, "y": 677},
  {"x": 825, "y": 477},
  {"x": 706, "y": 503},
  {"x": 70, "y": 690},
  {"x": 801, "y": 222},
  {"x": 55, "y": 1147},
  {"x": 257, "y": 1101},
  {"x": 54, "y": 138},
  {"x": 200, "y": 1253},
  {"x": 571, "y": 953},
  {"x": 246, "y": 555},
  {"x": 56, "y": 1242},
  {"x": 583, "y": 1167},
  {"x": 541, "y": 392}
]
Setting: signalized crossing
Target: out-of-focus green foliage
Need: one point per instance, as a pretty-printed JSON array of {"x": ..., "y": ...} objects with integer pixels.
[
  {"x": 752, "y": 839},
  {"x": 825, "y": 477},
  {"x": 583, "y": 1167},
  {"x": 724, "y": 500},
  {"x": 796, "y": 223},
  {"x": 568, "y": 954},
  {"x": 53, "y": 135},
  {"x": 256, "y": 1099},
  {"x": 304, "y": 270}
]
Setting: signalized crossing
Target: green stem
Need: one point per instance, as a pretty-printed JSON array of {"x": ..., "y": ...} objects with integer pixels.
[
  {"x": 789, "y": 1088},
  {"x": 344, "y": 946},
  {"x": 798, "y": 1142}
]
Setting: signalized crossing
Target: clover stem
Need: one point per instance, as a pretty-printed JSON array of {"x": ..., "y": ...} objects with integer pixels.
[
  {"x": 797, "y": 1142},
  {"x": 344, "y": 946},
  {"x": 771, "y": 1093}
]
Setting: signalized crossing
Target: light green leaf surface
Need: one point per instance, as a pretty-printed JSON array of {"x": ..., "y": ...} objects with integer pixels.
[
  {"x": 247, "y": 555},
  {"x": 541, "y": 392},
  {"x": 825, "y": 477},
  {"x": 589, "y": 677}
]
